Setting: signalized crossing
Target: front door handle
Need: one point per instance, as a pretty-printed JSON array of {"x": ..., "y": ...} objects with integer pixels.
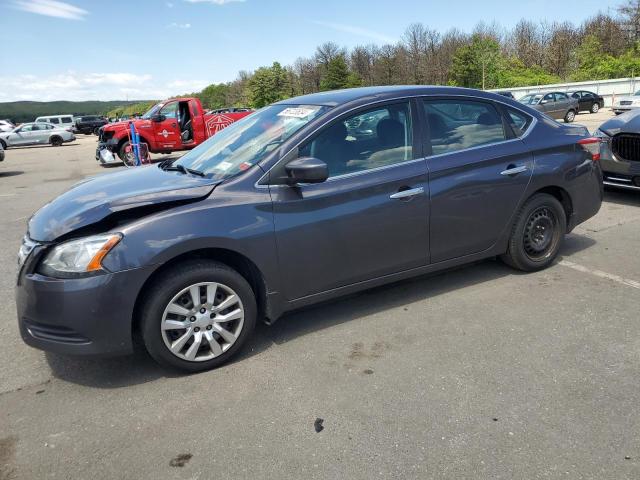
[
  {"x": 411, "y": 192},
  {"x": 513, "y": 170}
]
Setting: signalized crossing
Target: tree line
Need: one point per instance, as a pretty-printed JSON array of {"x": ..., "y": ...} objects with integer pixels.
[{"x": 532, "y": 53}]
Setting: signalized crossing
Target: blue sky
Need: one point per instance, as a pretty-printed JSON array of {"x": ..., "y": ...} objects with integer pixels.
[{"x": 113, "y": 49}]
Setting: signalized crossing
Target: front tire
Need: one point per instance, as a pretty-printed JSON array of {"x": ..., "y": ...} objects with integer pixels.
[
  {"x": 537, "y": 234},
  {"x": 570, "y": 116},
  {"x": 595, "y": 108},
  {"x": 197, "y": 315}
]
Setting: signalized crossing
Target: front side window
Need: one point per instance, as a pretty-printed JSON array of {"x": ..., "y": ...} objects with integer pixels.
[
  {"x": 67, "y": 120},
  {"x": 375, "y": 138},
  {"x": 459, "y": 124},
  {"x": 530, "y": 99},
  {"x": 246, "y": 142},
  {"x": 170, "y": 110},
  {"x": 53, "y": 120},
  {"x": 549, "y": 97},
  {"x": 27, "y": 128}
]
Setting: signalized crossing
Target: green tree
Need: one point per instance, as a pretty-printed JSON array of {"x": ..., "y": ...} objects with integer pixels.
[
  {"x": 268, "y": 85},
  {"x": 337, "y": 75},
  {"x": 214, "y": 96},
  {"x": 477, "y": 64}
]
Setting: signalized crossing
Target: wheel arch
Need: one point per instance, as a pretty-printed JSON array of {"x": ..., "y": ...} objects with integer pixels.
[
  {"x": 561, "y": 195},
  {"x": 239, "y": 262}
]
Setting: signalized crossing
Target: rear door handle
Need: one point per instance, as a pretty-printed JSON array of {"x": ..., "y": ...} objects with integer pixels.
[
  {"x": 412, "y": 192},
  {"x": 513, "y": 170}
]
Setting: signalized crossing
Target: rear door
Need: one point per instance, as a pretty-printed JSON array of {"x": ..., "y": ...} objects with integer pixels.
[
  {"x": 478, "y": 172},
  {"x": 370, "y": 218}
]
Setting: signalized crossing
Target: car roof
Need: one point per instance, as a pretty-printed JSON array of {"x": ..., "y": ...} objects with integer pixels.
[{"x": 339, "y": 97}]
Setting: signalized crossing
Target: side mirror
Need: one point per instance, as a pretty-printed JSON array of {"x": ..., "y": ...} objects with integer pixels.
[
  {"x": 542, "y": 102},
  {"x": 306, "y": 170},
  {"x": 158, "y": 118}
]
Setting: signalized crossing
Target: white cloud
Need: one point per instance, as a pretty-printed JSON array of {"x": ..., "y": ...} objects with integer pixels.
[
  {"x": 179, "y": 25},
  {"x": 169, "y": 5},
  {"x": 51, "y": 8},
  {"x": 92, "y": 86},
  {"x": 354, "y": 30},
  {"x": 215, "y": 2}
]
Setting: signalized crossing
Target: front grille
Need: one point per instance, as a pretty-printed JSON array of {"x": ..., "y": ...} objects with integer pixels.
[
  {"x": 105, "y": 135},
  {"x": 626, "y": 146}
]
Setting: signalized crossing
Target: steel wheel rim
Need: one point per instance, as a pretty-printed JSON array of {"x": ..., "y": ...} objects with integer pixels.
[
  {"x": 540, "y": 233},
  {"x": 202, "y": 321}
]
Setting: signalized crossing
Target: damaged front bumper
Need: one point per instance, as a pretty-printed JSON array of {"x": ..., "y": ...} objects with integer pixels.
[{"x": 110, "y": 155}]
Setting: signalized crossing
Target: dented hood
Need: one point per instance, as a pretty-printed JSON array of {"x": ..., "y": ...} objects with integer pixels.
[{"x": 94, "y": 200}]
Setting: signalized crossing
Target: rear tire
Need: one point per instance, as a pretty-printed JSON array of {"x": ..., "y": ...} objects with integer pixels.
[
  {"x": 537, "y": 234},
  {"x": 595, "y": 108},
  {"x": 161, "y": 331},
  {"x": 96, "y": 131},
  {"x": 4, "y": 145},
  {"x": 56, "y": 141},
  {"x": 570, "y": 116}
]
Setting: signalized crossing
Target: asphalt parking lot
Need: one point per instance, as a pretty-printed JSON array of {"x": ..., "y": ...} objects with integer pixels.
[{"x": 480, "y": 372}]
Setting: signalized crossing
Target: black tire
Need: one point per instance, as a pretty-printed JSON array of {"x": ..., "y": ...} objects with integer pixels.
[
  {"x": 128, "y": 160},
  {"x": 170, "y": 283},
  {"x": 595, "y": 108},
  {"x": 541, "y": 216},
  {"x": 570, "y": 116},
  {"x": 96, "y": 131},
  {"x": 56, "y": 141},
  {"x": 4, "y": 145}
]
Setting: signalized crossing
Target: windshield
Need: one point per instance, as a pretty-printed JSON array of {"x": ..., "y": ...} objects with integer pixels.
[
  {"x": 152, "y": 111},
  {"x": 637, "y": 93},
  {"x": 530, "y": 99},
  {"x": 247, "y": 141}
]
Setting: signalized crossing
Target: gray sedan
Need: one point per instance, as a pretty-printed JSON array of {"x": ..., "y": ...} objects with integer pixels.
[
  {"x": 40, "y": 133},
  {"x": 555, "y": 104}
]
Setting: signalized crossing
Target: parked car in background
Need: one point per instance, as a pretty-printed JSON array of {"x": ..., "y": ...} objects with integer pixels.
[
  {"x": 624, "y": 104},
  {"x": 63, "y": 121},
  {"x": 6, "y": 126},
  {"x": 506, "y": 94},
  {"x": 557, "y": 105},
  {"x": 620, "y": 153},
  {"x": 169, "y": 126},
  {"x": 37, "y": 133},
  {"x": 296, "y": 204},
  {"x": 588, "y": 101},
  {"x": 89, "y": 124}
]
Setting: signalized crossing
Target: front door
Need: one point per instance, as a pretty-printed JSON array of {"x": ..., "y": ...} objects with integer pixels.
[
  {"x": 22, "y": 136},
  {"x": 167, "y": 132},
  {"x": 369, "y": 219},
  {"x": 478, "y": 172}
]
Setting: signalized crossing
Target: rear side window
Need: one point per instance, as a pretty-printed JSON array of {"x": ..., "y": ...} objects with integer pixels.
[
  {"x": 459, "y": 124},
  {"x": 53, "y": 120},
  {"x": 67, "y": 120},
  {"x": 560, "y": 97},
  {"x": 519, "y": 121}
]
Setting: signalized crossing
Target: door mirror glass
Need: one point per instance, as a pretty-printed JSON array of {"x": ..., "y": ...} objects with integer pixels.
[
  {"x": 542, "y": 102},
  {"x": 158, "y": 118},
  {"x": 306, "y": 170}
]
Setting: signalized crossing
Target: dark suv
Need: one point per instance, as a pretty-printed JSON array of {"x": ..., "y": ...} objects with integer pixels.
[
  {"x": 89, "y": 124},
  {"x": 305, "y": 200}
]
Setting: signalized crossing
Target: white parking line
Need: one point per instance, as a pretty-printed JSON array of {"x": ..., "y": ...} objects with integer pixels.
[{"x": 601, "y": 274}]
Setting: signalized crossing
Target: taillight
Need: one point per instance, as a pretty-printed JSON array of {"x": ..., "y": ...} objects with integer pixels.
[{"x": 592, "y": 146}]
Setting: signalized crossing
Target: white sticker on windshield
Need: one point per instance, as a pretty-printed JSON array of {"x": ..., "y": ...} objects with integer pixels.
[
  {"x": 298, "y": 112},
  {"x": 224, "y": 166}
]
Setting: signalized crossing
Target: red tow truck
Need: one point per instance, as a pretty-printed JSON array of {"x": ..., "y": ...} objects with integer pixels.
[{"x": 171, "y": 125}]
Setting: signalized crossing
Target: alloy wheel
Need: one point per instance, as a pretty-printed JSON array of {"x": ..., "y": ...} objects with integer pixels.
[
  {"x": 202, "y": 321},
  {"x": 595, "y": 108}
]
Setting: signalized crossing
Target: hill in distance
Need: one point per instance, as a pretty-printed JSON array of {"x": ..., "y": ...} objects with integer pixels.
[{"x": 26, "y": 111}]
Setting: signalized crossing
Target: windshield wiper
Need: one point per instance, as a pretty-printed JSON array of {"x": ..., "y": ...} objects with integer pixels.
[{"x": 181, "y": 168}]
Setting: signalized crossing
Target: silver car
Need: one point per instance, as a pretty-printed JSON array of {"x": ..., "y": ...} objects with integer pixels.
[{"x": 40, "y": 133}]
